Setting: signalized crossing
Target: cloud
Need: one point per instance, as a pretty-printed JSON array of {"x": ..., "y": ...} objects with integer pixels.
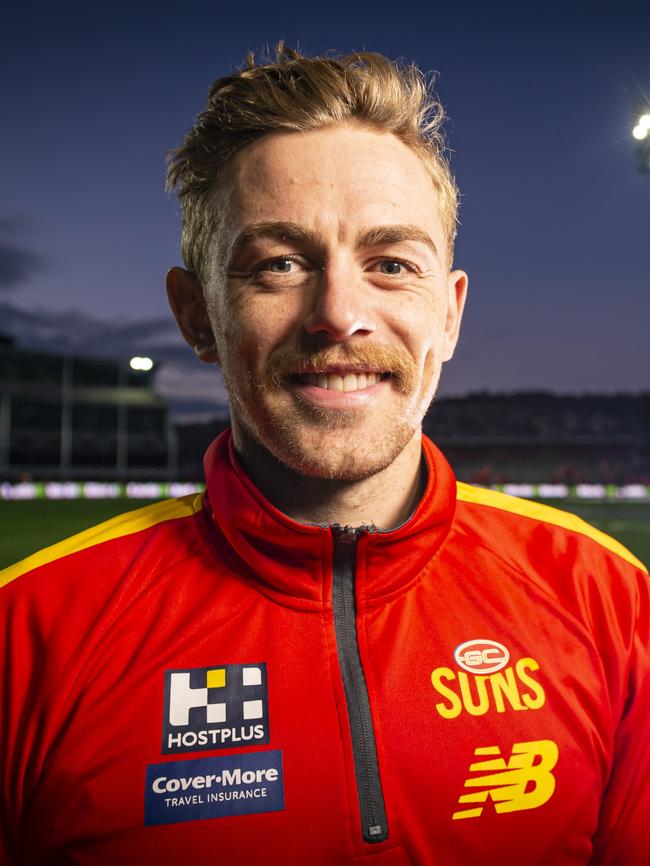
[
  {"x": 16, "y": 265},
  {"x": 74, "y": 332}
]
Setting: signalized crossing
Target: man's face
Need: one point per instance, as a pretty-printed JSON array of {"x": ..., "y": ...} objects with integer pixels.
[{"x": 330, "y": 298}]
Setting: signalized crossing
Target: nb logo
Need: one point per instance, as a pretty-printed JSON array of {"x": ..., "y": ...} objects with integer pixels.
[{"x": 524, "y": 782}]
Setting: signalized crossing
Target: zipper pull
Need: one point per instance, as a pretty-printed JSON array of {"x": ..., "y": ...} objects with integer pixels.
[{"x": 347, "y": 534}]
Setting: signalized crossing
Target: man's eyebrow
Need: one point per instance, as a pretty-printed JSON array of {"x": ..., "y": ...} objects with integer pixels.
[
  {"x": 279, "y": 230},
  {"x": 395, "y": 234},
  {"x": 289, "y": 231}
]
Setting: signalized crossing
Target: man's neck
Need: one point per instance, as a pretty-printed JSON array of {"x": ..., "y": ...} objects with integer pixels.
[{"x": 385, "y": 500}]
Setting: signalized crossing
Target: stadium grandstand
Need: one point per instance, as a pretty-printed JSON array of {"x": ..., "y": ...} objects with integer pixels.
[
  {"x": 83, "y": 418},
  {"x": 540, "y": 437}
]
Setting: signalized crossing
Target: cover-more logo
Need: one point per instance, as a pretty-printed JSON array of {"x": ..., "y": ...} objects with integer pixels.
[{"x": 222, "y": 707}]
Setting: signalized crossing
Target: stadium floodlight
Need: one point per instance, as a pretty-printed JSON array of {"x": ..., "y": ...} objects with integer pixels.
[
  {"x": 641, "y": 135},
  {"x": 138, "y": 363}
]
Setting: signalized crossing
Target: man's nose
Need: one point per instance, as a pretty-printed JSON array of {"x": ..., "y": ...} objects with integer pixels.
[{"x": 340, "y": 307}]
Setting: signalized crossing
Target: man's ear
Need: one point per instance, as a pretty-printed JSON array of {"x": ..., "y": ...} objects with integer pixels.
[
  {"x": 187, "y": 301},
  {"x": 456, "y": 295}
]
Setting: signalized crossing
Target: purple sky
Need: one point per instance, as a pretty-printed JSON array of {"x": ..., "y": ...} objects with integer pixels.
[{"x": 554, "y": 220}]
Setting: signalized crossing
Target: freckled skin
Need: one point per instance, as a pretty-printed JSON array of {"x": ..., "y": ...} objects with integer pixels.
[{"x": 338, "y": 183}]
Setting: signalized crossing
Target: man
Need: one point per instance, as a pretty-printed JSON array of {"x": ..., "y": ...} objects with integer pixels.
[{"x": 337, "y": 654}]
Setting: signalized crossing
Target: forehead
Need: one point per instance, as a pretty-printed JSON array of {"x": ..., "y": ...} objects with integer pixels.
[{"x": 341, "y": 179}]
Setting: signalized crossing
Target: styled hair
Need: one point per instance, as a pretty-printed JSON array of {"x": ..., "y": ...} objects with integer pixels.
[{"x": 300, "y": 94}]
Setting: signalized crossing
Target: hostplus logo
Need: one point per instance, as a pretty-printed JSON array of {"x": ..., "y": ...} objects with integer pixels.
[{"x": 215, "y": 708}]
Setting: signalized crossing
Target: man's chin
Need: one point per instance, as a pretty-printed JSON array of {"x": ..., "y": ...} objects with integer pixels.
[{"x": 338, "y": 452}]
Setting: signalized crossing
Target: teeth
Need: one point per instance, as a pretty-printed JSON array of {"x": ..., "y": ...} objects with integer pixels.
[{"x": 349, "y": 382}]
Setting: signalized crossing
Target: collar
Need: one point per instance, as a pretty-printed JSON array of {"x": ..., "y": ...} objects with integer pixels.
[{"x": 287, "y": 558}]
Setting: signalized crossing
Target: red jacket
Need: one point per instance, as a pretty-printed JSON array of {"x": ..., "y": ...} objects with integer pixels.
[{"x": 205, "y": 680}]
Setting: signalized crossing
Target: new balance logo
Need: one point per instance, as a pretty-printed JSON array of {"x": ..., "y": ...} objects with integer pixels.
[
  {"x": 524, "y": 782},
  {"x": 215, "y": 708}
]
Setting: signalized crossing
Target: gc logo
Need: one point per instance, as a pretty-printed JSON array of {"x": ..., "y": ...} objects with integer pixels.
[{"x": 481, "y": 656}]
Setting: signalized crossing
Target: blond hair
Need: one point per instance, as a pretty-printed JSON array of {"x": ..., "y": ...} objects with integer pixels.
[{"x": 299, "y": 94}]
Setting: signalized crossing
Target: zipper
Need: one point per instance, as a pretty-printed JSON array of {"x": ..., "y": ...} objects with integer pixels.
[{"x": 374, "y": 827}]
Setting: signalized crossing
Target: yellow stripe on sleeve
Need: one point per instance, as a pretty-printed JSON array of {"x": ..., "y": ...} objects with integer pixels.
[
  {"x": 544, "y": 514},
  {"x": 117, "y": 527}
]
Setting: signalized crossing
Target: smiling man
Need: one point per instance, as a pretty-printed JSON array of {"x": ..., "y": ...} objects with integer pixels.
[
  {"x": 337, "y": 654},
  {"x": 329, "y": 304}
]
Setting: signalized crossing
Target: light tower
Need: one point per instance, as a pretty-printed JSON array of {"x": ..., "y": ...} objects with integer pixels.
[{"x": 641, "y": 135}]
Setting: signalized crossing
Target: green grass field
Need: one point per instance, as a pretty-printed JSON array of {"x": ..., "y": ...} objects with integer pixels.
[{"x": 29, "y": 526}]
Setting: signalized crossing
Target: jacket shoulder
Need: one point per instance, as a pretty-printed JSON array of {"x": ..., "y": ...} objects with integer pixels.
[
  {"x": 124, "y": 525},
  {"x": 529, "y": 515}
]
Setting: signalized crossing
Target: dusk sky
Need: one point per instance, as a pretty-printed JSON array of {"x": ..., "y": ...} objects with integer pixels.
[{"x": 555, "y": 218}]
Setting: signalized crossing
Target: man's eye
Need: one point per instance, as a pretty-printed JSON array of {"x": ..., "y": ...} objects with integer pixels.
[
  {"x": 280, "y": 265},
  {"x": 393, "y": 267}
]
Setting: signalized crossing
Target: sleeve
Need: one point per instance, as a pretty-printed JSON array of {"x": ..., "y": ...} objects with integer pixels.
[
  {"x": 32, "y": 602},
  {"x": 623, "y": 837},
  {"x": 16, "y": 665},
  {"x": 21, "y": 668}
]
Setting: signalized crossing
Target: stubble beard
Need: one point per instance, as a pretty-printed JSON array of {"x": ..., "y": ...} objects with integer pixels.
[
  {"x": 335, "y": 445},
  {"x": 325, "y": 444}
]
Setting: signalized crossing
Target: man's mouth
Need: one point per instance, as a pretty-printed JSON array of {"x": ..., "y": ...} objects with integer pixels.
[{"x": 342, "y": 381}]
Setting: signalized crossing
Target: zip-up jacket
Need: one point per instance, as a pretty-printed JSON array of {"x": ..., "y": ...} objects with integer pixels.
[{"x": 205, "y": 680}]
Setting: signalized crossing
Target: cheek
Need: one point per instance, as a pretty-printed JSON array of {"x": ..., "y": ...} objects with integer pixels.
[
  {"x": 421, "y": 326},
  {"x": 430, "y": 364},
  {"x": 253, "y": 328},
  {"x": 230, "y": 334}
]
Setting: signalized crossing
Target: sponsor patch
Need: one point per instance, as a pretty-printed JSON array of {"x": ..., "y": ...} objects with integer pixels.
[
  {"x": 222, "y": 707},
  {"x": 215, "y": 787}
]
